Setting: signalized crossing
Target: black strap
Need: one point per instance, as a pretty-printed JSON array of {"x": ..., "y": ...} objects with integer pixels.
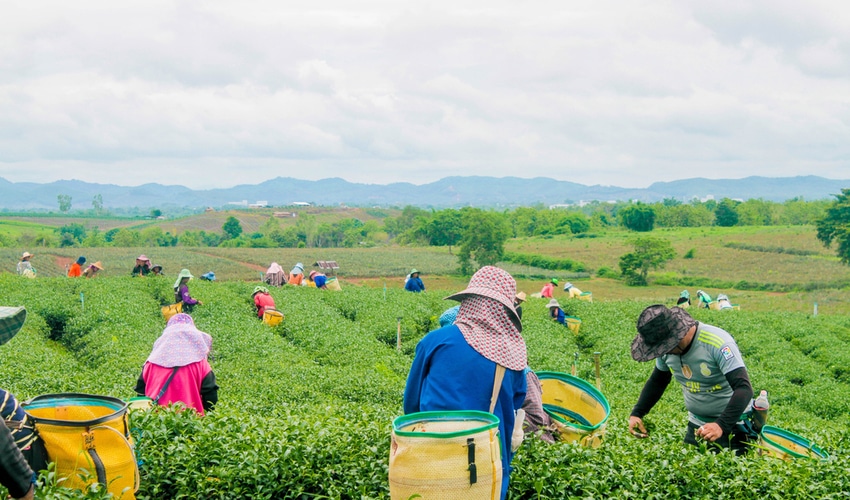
[{"x": 167, "y": 382}]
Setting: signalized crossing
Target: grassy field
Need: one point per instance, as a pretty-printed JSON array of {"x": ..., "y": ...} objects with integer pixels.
[{"x": 762, "y": 268}]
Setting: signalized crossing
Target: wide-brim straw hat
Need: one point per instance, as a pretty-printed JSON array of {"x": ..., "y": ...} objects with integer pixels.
[
  {"x": 414, "y": 271},
  {"x": 26, "y": 255},
  {"x": 313, "y": 273},
  {"x": 553, "y": 303},
  {"x": 98, "y": 265},
  {"x": 492, "y": 282},
  {"x": 520, "y": 296},
  {"x": 660, "y": 329}
]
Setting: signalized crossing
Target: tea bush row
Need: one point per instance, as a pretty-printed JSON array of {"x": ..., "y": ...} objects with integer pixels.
[{"x": 305, "y": 407}]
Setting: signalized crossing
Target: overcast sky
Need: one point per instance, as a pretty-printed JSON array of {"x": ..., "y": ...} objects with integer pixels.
[{"x": 614, "y": 92}]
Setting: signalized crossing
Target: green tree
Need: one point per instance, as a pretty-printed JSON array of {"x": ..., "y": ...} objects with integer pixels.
[
  {"x": 232, "y": 228},
  {"x": 64, "y": 202},
  {"x": 126, "y": 238},
  {"x": 649, "y": 253},
  {"x": 97, "y": 203},
  {"x": 835, "y": 225},
  {"x": 156, "y": 213},
  {"x": 445, "y": 228},
  {"x": 483, "y": 238},
  {"x": 726, "y": 213},
  {"x": 638, "y": 217},
  {"x": 71, "y": 235}
]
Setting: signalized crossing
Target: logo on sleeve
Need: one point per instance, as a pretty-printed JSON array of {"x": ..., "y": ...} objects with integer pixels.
[{"x": 727, "y": 352}]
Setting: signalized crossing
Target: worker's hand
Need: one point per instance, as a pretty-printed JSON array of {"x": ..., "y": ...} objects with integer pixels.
[
  {"x": 710, "y": 432},
  {"x": 636, "y": 427},
  {"x": 30, "y": 495}
]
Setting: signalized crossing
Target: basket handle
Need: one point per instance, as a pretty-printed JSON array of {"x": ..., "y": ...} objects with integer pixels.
[{"x": 136, "y": 476}]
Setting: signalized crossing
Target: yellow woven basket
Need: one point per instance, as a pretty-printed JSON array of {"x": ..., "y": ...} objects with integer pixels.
[
  {"x": 446, "y": 455},
  {"x": 272, "y": 317},
  {"x": 579, "y": 410}
]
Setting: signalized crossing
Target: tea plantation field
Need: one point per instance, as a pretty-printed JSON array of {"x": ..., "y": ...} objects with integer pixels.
[{"x": 305, "y": 407}]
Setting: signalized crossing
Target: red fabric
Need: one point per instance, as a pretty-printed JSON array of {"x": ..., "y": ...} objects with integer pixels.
[
  {"x": 263, "y": 301},
  {"x": 185, "y": 387},
  {"x": 548, "y": 288},
  {"x": 76, "y": 271}
]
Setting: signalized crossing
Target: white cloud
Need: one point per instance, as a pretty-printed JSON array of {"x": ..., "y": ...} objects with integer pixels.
[{"x": 611, "y": 92}]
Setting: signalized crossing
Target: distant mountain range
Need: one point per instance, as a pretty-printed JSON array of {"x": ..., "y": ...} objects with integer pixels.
[{"x": 448, "y": 192}]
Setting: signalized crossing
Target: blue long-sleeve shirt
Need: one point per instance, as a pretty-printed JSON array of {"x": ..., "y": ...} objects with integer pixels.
[
  {"x": 448, "y": 374},
  {"x": 414, "y": 285}
]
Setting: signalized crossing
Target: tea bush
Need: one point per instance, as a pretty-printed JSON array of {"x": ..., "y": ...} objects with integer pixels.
[{"x": 305, "y": 407}]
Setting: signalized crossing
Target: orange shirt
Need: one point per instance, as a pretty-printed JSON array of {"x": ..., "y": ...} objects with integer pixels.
[{"x": 75, "y": 271}]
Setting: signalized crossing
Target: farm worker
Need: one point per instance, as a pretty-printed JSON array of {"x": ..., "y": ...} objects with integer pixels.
[
  {"x": 25, "y": 267},
  {"x": 319, "y": 279},
  {"x": 549, "y": 288},
  {"x": 275, "y": 276},
  {"x": 723, "y": 302},
  {"x": 93, "y": 269},
  {"x": 455, "y": 366},
  {"x": 177, "y": 370},
  {"x": 414, "y": 284},
  {"x": 449, "y": 316},
  {"x": 537, "y": 421},
  {"x": 684, "y": 300},
  {"x": 520, "y": 298},
  {"x": 556, "y": 313},
  {"x": 572, "y": 290},
  {"x": 296, "y": 275},
  {"x": 704, "y": 299},
  {"x": 143, "y": 266},
  {"x": 181, "y": 291},
  {"x": 15, "y": 474},
  {"x": 706, "y": 361},
  {"x": 76, "y": 269},
  {"x": 20, "y": 451},
  {"x": 156, "y": 270},
  {"x": 263, "y": 300},
  {"x": 210, "y": 276}
]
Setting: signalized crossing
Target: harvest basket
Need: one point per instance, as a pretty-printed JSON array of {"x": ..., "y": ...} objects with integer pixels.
[
  {"x": 90, "y": 432},
  {"x": 779, "y": 443},
  {"x": 587, "y": 296},
  {"x": 446, "y": 455},
  {"x": 172, "y": 309},
  {"x": 272, "y": 317},
  {"x": 573, "y": 323},
  {"x": 333, "y": 284},
  {"x": 579, "y": 410}
]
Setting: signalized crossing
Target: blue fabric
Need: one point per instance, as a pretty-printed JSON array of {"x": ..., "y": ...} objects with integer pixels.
[
  {"x": 448, "y": 374},
  {"x": 562, "y": 318},
  {"x": 414, "y": 285},
  {"x": 320, "y": 280},
  {"x": 449, "y": 316}
]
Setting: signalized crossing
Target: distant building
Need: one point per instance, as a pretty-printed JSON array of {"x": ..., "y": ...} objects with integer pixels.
[
  {"x": 209, "y": 209},
  {"x": 243, "y": 203},
  {"x": 284, "y": 215},
  {"x": 300, "y": 204},
  {"x": 259, "y": 204}
]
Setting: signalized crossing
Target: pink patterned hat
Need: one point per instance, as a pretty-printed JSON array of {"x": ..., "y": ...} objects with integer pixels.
[
  {"x": 180, "y": 344},
  {"x": 488, "y": 319}
]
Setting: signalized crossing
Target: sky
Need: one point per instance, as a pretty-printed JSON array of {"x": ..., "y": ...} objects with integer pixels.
[{"x": 213, "y": 93}]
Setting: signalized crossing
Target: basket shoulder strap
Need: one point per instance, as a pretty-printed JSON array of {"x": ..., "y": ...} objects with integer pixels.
[
  {"x": 497, "y": 384},
  {"x": 165, "y": 387}
]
